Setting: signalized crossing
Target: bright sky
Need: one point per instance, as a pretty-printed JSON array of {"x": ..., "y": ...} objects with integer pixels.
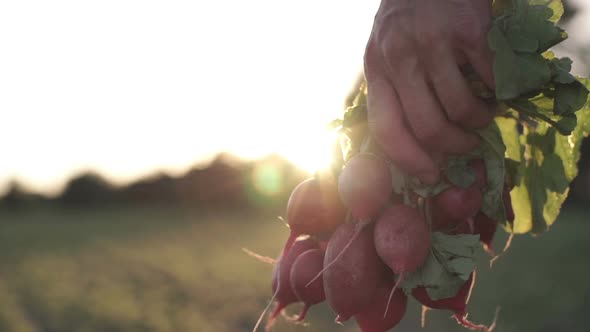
[{"x": 128, "y": 87}]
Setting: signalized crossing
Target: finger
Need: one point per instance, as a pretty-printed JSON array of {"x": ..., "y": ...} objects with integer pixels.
[
  {"x": 470, "y": 29},
  {"x": 477, "y": 49},
  {"x": 453, "y": 91},
  {"x": 481, "y": 59},
  {"x": 424, "y": 113},
  {"x": 387, "y": 124}
]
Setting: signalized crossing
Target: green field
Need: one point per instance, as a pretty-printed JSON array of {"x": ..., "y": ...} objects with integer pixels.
[{"x": 181, "y": 270}]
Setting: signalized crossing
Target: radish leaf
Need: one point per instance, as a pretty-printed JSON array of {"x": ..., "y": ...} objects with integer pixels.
[{"x": 448, "y": 266}]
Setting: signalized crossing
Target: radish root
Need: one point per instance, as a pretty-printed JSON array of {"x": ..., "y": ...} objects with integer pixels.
[
  {"x": 423, "y": 316},
  {"x": 397, "y": 283},
  {"x": 264, "y": 259},
  {"x": 473, "y": 278},
  {"x": 506, "y": 247},
  {"x": 259, "y": 321},
  {"x": 462, "y": 319}
]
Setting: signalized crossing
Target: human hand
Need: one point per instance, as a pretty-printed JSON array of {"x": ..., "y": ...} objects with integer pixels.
[{"x": 420, "y": 106}]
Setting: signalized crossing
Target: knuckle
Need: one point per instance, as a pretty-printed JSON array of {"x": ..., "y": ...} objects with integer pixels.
[
  {"x": 468, "y": 29},
  {"x": 393, "y": 31},
  {"x": 397, "y": 47},
  {"x": 428, "y": 37},
  {"x": 470, "y": 37},
  {"x": 394, "y": 12}
]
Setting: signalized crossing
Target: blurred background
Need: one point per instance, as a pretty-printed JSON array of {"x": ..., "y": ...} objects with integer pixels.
[{"x": 145, "y": 143}]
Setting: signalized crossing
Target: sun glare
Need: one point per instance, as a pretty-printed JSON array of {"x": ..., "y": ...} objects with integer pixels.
[{"x": 312, "y": 153}]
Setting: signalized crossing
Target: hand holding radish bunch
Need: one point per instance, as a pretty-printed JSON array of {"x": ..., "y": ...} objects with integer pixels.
[
  {"x": 419, "y": 102},
  {"x": 424, "y": 183}
]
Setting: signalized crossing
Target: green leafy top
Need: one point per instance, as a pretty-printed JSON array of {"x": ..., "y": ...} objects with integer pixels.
[
  {"x": 529, "y": 79},
  {"x": 543, "y": 164},
  {"x": 547, "y": 113}
]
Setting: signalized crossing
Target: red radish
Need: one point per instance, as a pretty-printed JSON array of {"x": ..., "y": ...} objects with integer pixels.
[
  {"x": 365, "y": 185},
  {"x": 358, "y": 227},
  {"x": 455, "y": 203},
  {"x": 371, "y": 319},
  {"x": 479, "y": 166},
  {"x": 454, "y": 207},
  {"x": 402, "y": 239},
  {"x": 305, "y": 267},
  {"x": 281, "y": 278},
  {"x": 314, "y": 208},
  {"x": 351, "y": 280},
  {"x": 457, "y": 304}
]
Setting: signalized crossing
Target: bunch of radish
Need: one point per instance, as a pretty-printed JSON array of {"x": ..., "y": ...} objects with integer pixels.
[
  {"x": 368, "y": 237},
  {"x": 355, "y": 239}
]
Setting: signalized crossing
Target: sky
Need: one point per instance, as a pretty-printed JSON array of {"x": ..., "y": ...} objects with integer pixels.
[{"x": 131, "y": 87}]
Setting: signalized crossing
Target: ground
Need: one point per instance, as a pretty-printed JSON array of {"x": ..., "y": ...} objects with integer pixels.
[{"x": 163, "y": 269}]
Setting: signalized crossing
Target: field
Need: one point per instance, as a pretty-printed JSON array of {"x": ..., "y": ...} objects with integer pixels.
[{"x": 163, "y": 269}]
